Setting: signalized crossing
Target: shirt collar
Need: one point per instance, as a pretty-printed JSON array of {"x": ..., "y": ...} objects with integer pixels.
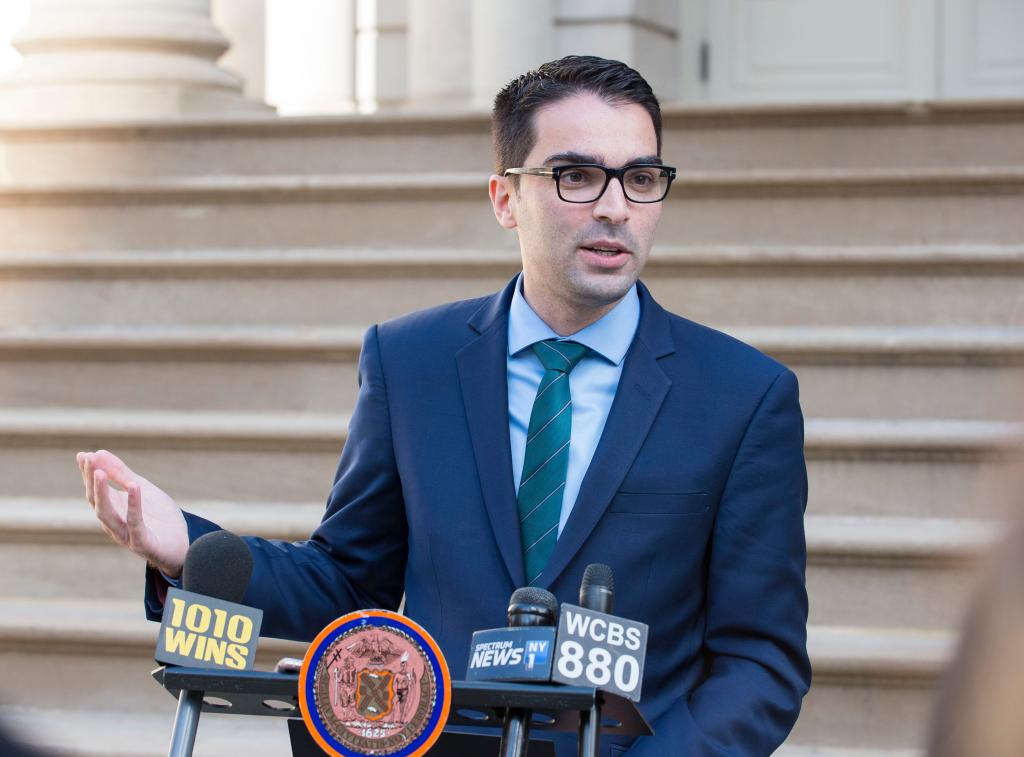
[{"x": 609, "y": 336}]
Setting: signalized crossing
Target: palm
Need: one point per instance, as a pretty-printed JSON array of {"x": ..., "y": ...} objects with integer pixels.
[
  {"x": 166, "y": 534},
  {"x": 135, "y": 512}
]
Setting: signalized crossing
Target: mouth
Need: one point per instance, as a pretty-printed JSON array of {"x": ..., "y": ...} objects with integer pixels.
[
  {"x": 605, "y": 254},
  {"x": 605, "y": 248}
]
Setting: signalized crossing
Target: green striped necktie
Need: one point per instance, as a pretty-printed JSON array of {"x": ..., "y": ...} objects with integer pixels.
[{"x": 547, "y": 454}]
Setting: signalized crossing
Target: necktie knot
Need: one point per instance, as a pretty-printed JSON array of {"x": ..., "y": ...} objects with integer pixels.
[{"x": 559, "y": 356}]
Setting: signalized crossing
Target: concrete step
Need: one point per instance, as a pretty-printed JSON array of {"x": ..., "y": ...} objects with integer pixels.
[
  {"x": 147, "y": 735},
  {"x": 804, "y": 207},
  {"x": 856, "y": 466},
  {"x": 111, "y": 733},
  {"x": 872, "y": 687},
  {"x": 879, "y": 571},
  {"x": 695, "y": 138},
  {"x": 938, "y": 285},
  {"x": 892, "y": 372},
  {"x": 893, "y": 572},
  {"x": 90, "y": 654}
]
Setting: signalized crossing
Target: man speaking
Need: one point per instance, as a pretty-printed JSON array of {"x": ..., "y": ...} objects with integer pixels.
[{"x": 512, "y": 440}]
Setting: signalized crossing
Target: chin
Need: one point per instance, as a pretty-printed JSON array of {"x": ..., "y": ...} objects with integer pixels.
[{"x": 603, "y": 290}]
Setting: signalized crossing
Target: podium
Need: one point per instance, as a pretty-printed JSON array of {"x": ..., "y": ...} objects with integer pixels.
[{"x": 483, "y": 705}]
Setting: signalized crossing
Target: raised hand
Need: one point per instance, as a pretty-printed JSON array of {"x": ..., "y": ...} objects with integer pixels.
[{"x": 136, "y": 513}]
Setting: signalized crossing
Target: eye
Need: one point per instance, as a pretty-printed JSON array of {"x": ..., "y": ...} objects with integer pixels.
[
  {"x": 575, "y": 177},
  {"x": 644, "y": 178}
]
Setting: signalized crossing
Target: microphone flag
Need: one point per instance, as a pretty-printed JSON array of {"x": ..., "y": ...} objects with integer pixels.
[
  {"x": 600, "y": 650},
  {"x": 201, "y": 631},
  {"x": 511, "y": 654}
]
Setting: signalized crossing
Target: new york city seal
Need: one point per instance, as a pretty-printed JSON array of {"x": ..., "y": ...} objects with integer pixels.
[{"x": 374, "y": 683}]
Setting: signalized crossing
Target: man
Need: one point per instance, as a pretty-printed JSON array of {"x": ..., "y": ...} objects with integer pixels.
[
  {"x": 405, "y": 679},
  {"x": 458, "y": 482}
]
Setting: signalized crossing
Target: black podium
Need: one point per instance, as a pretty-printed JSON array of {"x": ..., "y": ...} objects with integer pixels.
[{"x": 570, "y": 709}]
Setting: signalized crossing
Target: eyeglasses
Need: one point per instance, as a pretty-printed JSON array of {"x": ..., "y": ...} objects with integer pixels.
[{"x": 586, "y": 182}]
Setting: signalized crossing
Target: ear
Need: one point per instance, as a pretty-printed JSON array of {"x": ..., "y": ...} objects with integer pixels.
[{"x": 503, "y": 200}]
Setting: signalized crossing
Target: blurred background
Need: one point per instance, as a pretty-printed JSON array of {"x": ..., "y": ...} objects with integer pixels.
[{"x": 204, "y": 204}]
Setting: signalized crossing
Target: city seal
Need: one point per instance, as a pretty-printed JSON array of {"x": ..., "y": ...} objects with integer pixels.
[{"x": 374, "y": 683}]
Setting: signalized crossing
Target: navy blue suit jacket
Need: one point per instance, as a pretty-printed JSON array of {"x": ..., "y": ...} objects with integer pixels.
[{"x": 695, "y": 498}]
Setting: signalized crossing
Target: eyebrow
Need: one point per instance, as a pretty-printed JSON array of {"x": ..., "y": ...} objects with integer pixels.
[{"x": 578, "y": 157}]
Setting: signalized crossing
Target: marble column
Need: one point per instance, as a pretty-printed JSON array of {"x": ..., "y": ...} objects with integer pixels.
[
  {"x": 381, "y": 53},
  {"x": 120, "y": 59},
  {"x": 508, "y": 40},
  {"x": 641, "y": 33},
  {"x": 311, "y": 56},
  {"x": 440, "y": 53},
  {"x": 245, "y": 24}
]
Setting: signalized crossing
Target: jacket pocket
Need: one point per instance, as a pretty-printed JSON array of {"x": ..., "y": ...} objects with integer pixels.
[{"x": 658, "y": 503}]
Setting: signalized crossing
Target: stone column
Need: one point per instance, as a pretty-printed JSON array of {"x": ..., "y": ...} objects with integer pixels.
[
  {"x": 509, "y": 38},
  {"x": 641, "y": 33},
  {"x": 120, "y": 59},
  {"x": 381, "y": 53},
  {"x": 440, "y": 53},
  {"x": 245, "y": 24},
  {"x": 311, "y": 56}
]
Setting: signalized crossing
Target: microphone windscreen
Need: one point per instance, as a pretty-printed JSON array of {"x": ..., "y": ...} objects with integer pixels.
[
  {"x": 532, "y": 606},
  {"x": 218, "y": 564},
  {"x": 598, "y": 574},
  {"x": 532, "y": 595}
]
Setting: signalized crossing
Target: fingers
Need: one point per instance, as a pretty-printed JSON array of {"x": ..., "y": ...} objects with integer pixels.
[
  {"x": 106, "y": 508},
  {"x": 136, "y": 526},
  {"x": 85, "y": 466},
  {"x": 114, "y": 467}
]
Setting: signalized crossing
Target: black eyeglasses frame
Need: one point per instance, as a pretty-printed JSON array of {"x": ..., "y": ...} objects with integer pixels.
[{"x": 555, "y": 172}]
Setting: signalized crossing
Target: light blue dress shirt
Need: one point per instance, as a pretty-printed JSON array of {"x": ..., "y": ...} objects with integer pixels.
[{"x": 592, "y": 382}]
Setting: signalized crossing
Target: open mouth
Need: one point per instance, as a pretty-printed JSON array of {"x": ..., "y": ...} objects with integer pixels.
[{"x": 604, "y": 251}]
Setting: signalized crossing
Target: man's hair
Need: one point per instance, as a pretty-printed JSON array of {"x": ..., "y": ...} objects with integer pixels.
[{"x": 512, "y": 120}]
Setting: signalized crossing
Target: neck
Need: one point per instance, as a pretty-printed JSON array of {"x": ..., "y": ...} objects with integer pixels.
[{"x": 565, "y": 318}]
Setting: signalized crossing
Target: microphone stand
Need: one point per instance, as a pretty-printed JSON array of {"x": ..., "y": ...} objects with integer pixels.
[
  {"x": 596, "y": 593},
  {"x": 515, "y": 733},
  {"x": 528, "y": 606},
  {"x": 589, "y": 741}
]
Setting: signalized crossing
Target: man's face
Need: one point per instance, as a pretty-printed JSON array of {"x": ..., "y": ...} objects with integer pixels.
[{"x": 582, "y": 258}]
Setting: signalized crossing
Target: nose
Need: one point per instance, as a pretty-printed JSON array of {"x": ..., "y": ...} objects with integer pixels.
[{"x": 612, "y": 206}]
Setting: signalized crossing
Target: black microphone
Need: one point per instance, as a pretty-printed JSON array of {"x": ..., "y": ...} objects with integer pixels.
[
  {"x": 528, "y": 607},
  {"x": 597, "y": 590},
  {"x": 218, "y": 564},
  {"x": 204, "y": 624},
  {"x": 531, "y": 606},
  {"x": 595, "y": 648}
]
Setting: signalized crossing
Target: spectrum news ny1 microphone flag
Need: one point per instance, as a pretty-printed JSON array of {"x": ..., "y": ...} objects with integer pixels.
[{"x": 204, "y": 625}]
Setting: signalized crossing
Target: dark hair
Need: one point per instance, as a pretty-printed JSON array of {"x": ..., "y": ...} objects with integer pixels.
[{"x": 515, "y": 105}]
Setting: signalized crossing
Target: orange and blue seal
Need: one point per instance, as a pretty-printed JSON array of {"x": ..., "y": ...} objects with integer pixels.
[{"x": 374, "y": 682}]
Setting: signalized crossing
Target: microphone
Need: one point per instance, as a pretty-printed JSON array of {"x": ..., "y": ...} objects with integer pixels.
[
  {"x": 521, "y": 652},
  {"x": 596, "y": 648},
  {"x": 529, "y": 607},
  {"x": 597, "y": 590},
  {"x": 219, "y": 565},
  {"x": 204, "y": 624}
]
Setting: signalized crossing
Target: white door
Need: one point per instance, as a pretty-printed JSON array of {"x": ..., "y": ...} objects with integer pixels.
[
  {"x": 852, "y": 50},
  {"x": 983, "y": 49}
]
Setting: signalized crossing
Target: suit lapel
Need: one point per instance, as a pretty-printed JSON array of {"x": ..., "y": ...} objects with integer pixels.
[
  {"x": 640, "y": 394},
  {"x": 484, "y": 380}
]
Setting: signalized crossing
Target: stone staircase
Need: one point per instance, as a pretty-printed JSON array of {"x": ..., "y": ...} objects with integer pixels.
[{"x": 192, "y": 295}]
